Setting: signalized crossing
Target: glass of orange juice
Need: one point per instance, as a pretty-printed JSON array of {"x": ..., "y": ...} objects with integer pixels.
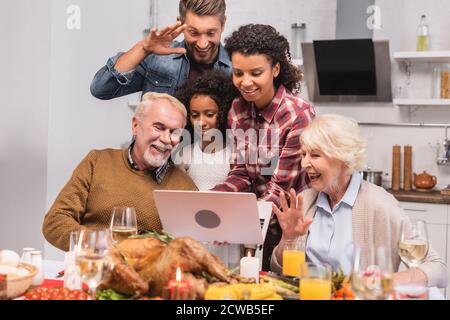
[
  {"x": 293, "y": 256},
  {"x": 315, "y": 282}
]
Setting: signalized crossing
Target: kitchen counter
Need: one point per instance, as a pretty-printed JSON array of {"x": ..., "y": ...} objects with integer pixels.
[{"x": 434, "y": 196}]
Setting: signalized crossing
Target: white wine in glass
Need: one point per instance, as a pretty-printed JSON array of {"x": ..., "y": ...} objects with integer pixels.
[
  {"x": 413, "y": 251},
  {"x": 91, "y": 268},
  {"x": 123, "y": 224},
  {"x": 122, "y": 233},
  {"x": 92, "y": 256},
  {"x": 373, "y": 281},
  {"x": 413, "y": 245},
  {"x": 413, "y": 248}
]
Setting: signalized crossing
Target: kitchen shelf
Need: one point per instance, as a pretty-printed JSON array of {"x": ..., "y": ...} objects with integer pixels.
[
  {"x": 423, "y": 56},
  {"x": 421, "y": 102}
]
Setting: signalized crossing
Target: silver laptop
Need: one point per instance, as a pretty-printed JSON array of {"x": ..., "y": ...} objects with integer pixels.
[{"x": 209, "y": 216}]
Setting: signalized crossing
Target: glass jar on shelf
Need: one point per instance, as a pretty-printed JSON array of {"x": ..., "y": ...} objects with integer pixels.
[
  {"x": 445, "y": 82},
  {"x": 298, "y": 35},
  {"x": 440, "y": 85}
]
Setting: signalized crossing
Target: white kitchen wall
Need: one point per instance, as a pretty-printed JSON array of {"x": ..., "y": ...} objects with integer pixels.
[
  {"x": 79, "y": 122},
  {"x": 43, "y": 140},
  {"x": 24, "y": 100}
]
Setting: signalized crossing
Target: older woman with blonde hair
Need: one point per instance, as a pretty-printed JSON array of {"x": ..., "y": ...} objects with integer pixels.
[{"x": 340, "y": 210}]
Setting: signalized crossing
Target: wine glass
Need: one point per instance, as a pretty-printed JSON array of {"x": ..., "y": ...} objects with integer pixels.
[
  {"x": 73, "y": 240},
  {"x": 413, "y": 244},
  {"x": 91, "y": 256},
  {"x": 123, "y": 223},
  {"x": 372, "y": 273}
]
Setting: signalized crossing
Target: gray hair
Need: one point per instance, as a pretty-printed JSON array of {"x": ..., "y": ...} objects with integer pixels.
[
  {"x": 150, "y": 97},
  {"x": 337, "y": 137}
]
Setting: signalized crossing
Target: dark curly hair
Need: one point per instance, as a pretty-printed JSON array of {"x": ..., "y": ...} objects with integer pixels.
[
  {"x": 218, "y": 86},
  {"x": 264, "y": 39}
]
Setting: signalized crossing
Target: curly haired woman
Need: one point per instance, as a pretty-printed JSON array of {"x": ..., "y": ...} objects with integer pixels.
[{"x": 266, "y": 120}]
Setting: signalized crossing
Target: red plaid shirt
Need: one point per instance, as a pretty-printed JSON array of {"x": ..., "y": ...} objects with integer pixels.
[{"x": 266, "y": 149}]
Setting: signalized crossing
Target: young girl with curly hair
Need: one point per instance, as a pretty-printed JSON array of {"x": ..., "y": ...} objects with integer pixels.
[
  {"x": 206, "y": 158},
  {"x": 266, "y": 120}
]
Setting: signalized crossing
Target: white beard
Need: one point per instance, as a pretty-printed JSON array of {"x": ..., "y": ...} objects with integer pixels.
[{"x": 155, "y": 161}]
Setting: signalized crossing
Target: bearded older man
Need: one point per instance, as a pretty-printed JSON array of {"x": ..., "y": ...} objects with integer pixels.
[{"x": 123, "y": 177}]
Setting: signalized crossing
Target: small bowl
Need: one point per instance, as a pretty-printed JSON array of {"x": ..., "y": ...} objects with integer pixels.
[{"x": 18, "y": 278}]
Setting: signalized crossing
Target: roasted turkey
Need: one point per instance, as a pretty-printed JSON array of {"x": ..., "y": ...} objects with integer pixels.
[{"x": 145, "y": 265}]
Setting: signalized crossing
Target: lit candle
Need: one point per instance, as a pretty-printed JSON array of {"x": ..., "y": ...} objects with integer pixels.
[
  {"x": 177, "y": 289},
  {"x": 250, "y": 267}
]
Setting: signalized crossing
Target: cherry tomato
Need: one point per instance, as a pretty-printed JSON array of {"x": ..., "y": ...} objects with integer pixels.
[
  {"x": 38, "y": 290},
  {"x": 59, "y": 297},
  {"x": 33, "y": 296},
  {"x": 348, "y": 293},
  {"x": 28, "y": 295},
  {"x": 339, "y": 293},
  {"x": 64, "y": 291},
  {"x": 45, "y": 296},
  {"x": 71, "y": 296},
  {"x": 77, "y": 292}
]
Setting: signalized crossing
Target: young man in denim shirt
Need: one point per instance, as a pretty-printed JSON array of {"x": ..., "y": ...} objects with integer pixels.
[{"x": 159, "y": 64}]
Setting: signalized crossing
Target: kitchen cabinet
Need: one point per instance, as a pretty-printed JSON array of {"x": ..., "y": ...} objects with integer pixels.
[
  {"x": 436, "y": 216},
  {"x": 430, "y": 212}
]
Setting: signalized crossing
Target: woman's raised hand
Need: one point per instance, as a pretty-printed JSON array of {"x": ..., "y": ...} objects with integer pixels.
[
  {"x": 292, "y": 220},
  {"x": 158, "y": 42}
]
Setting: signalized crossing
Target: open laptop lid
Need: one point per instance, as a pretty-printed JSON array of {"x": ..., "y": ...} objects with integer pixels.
[{"x": 209, "y": 216}]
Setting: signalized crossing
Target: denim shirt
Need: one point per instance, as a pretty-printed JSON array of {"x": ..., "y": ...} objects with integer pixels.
[{"x": 156, "y": 73}]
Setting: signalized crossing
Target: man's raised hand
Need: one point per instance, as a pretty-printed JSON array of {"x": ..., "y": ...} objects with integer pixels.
[{"x": 159, "y": 42}]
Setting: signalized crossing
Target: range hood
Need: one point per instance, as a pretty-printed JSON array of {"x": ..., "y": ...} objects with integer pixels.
[
  {"x": 352, "y": 67},
  {"x": 347, "y": 70}
]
